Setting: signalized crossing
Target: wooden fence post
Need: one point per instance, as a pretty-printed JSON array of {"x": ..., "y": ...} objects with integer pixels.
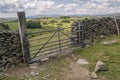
[
  {"x": 23, "y": 37},
  {"x": 117, "y": 27}
]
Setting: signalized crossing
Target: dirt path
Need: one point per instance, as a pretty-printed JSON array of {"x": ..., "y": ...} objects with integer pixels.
[
  {"x": 77, "y": 72},
  {"x": 57, "y": 69}
]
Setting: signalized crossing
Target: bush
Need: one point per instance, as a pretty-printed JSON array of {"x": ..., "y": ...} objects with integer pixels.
[
  {"x": 4, "y": 26},
  {"x": 33, "y": 24},
  {"x": 64, "y": 17},
  {"x": 59, "y": 24},
  {"x": 45, "y": 23},
  {"x": 53, "y": 21},
  {"x": 65, "y": 21}
]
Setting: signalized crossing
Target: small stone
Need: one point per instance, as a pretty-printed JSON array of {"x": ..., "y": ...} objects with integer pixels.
[
  {"x": 34, "y": 65},
  {"x": 69, "y": 51},
  {"x": 34, "y": 73},
  {"x": 82, "y": 61},
  {"x": 94, "y": 76},
  {"x": 45, "y": 59},
  {"x": 2, "y": 69},
  {"x": 5, "y": 74},
  {"x": 100, "y": 66},
  {"x": 110, "y": 42},
  {"x": 1, "y": 73},
  {"x": 102, "y": 36}
]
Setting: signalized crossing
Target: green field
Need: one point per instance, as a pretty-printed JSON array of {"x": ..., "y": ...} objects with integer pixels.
[
  {"x": 48, "y": 23},
  {"x": 110, "y": 54}
]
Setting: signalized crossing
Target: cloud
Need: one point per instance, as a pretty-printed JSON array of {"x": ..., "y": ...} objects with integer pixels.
[
  {"x": 32, "y": 7},
  {"x": 89, "y": 5},
  {"x": 63, "y": 7},
  {"x": 71, "y": 6}
]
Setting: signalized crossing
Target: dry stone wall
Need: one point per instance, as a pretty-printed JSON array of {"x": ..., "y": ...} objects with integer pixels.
[
  {"x": 10, "y": 49},
  {"x": 94, "y": 29}
]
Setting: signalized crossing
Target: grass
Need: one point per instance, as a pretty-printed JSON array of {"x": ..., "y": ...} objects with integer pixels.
[
  {"x": 107, "y": 53},
  {"x": 50, "y": 70},
  {"x": 14, "y": 24}
]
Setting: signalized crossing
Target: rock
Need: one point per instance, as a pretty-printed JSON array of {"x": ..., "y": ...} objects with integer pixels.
[
  {"x": 94, "y": 76},
  {"x": 34, "y": 65},
  {"x": 109, "y": 42},
  {"x": 44, "y": 59},
  {"x": 82, "y": 61},
  {"x": 69, "y": 51},
  {"x": 2, "y": 69},
  {"x": 5, "y": 74},
  {"x": 34, "y": 73},
  {"x": 100, "y": 66},
  {"x": 102, "y": 37},
  {"x": 87, "y": 43}
]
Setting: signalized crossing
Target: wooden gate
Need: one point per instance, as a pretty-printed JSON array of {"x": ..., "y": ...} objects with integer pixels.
[{"x": 42, "y": 44}]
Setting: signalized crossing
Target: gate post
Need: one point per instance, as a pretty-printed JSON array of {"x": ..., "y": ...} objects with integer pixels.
[
  {"x": 77, "y": 34},
  {"x": 80, "y": 35},
  {"x": 23, "y": 37}
]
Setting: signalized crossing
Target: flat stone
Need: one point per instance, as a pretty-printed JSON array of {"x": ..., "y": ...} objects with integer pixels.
[
  {"x": 94, "y": 76},
  {"x": 109, "y": 42},
  {"x": 69, "y": 51},
  {"x": 44, "y": 59},
  {"x": 34, "y": 65},
  {"x": 34, "y": 73},
  {"x": 82, "y": 61}
]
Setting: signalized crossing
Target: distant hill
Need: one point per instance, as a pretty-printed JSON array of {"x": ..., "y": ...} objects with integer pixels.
[
  {"x": 57, "y": 15},
  {"x": 7, "y": 19},
  {"x": 117, "y": 15}
]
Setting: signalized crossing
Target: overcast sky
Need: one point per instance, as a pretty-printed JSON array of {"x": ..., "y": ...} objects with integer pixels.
[{"x": 8, "y": 8}]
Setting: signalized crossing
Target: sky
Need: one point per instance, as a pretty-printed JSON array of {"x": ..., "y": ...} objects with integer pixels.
[{"x": 9, "y": 8}]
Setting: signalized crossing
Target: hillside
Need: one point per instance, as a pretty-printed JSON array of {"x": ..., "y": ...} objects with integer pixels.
[
  {"x": 117, "y": 15},
  {"x": 7, "y": 19}
]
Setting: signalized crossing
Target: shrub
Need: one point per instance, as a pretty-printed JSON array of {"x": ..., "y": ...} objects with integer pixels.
[
  {"x": 53, "y": 21},
  {"x": 33, "y": 24},
  {"x": 64, "y": 17},
  {"x": 59, "y": 24},
  {"x": 65, "y": 21},
  {"x": 4, "y": 26}
]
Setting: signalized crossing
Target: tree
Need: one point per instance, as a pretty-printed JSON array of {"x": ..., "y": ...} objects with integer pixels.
[
  {"x": 64, "y": 17},
  {"x": 33, "y": 24}
]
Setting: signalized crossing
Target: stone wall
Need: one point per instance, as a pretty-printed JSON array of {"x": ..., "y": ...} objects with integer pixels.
[
  {"x": 10, "y": 49},
  {"x": 94, "y": 29}
]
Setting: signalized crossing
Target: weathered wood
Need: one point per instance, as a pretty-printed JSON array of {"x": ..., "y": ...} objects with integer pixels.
[
  {"x": 118, "y": 31},
  {"x": 24, "y": 39}
]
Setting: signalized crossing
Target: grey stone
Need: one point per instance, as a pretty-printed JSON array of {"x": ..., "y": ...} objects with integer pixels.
[
  {"x": 100, "y": 66},
  {"x": 94, "y": 76},
  {"x": 34, "y": 65},
  {"x": 2, "y": 69},
  {"x": 44, "y": 59},
  {"x": 82, "y": 61},
  {"x": 34, "y": 73},
  {"x": 109, "y": 42},
  {"x": 102, "y": 36},
  {"x": 69, "y": 51}
]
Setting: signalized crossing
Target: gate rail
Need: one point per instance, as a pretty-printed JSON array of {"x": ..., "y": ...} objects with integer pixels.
[{"x": 46, "y": 47}]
